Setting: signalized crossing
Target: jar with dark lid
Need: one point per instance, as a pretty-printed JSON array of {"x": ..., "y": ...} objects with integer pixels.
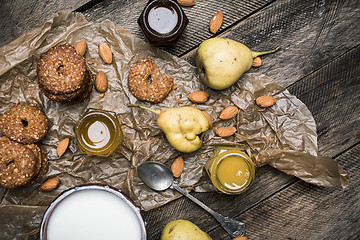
[{"x": 163, "y": 22}]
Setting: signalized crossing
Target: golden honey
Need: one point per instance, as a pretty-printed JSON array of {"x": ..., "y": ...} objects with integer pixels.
[
  {"x": 231, "y": 170},
  {"x": 98, "y": 132}
]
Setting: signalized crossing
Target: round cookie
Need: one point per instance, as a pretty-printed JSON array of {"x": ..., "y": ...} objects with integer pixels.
[
  {"x": 37, "y": 152},
  {"x": 44, "y": 167},
  {"x": 76, "y": 96},
  {"x": 61, "y": 70},
  {"x": 155, "y": 90},
  {"x": 17, "y": 164},
  {"x": 25, "y": 124}
]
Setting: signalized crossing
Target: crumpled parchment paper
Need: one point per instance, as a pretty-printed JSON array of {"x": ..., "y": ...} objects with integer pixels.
[{"x": 283, "y": 136}]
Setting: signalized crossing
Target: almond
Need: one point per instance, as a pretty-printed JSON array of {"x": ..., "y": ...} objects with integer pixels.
[
  {"x": 225, "y": 131},
  {"x": 265, "y": 101},
  {"x": 208, "y": 118},
  {"x": 177, "y": 166},
  {"x": 198, "y": 97},
  {"x": 186, "y": 3},
  {"x": 80, "y": 47},
  {"x": 105, "y": 53},
  {"x": 216, "y": 22},
  {"x": 49, "y": 184},
  {"x": 229, "y": 112},
  {"x": 63, "y": 145},
  {"x": 241, "y": 238},
  {"x": 257, "y": 62},
  {"x": 101, "y": 81}
]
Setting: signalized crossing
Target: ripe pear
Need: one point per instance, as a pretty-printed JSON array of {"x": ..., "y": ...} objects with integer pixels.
[
  {"x": 183, "y": 230},
  {"x": 221, "y": 61},
  {"x": 183, "y": 126}
]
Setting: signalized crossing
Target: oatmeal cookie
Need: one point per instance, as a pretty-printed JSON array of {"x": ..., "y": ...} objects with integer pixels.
[
  {"x": 17, "y": 164},
  {"x": 61, "y": 70},
  {"x": 23, "y": 123},
  {"x": 154, "y": 90}
]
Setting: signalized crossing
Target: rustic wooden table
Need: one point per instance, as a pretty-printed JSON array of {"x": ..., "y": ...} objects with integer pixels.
[{"x": 319, "y": 63}]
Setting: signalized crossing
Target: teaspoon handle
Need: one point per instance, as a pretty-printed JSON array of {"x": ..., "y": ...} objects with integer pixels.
[{"x": 233, "y": 227}]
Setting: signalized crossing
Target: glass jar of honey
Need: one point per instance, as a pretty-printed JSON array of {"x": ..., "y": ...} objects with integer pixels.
[
  {"x": 98, "y": 132},
  {"x": 162, "y": 22},
  {"x": 231, "y": 170}
]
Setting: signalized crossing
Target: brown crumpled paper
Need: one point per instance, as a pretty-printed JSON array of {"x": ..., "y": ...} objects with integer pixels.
[{"x": 283, "y": 136}]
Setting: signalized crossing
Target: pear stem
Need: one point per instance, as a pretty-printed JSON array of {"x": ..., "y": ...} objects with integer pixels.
[
  {"x": 156, "y": 111},
  {"x": 256, "y": 54}
]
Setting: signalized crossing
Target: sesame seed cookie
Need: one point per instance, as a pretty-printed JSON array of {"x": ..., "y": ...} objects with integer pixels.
[
  {"x": 61, "y": 70},
  {"x": 25, "y": 124},
  {"x": 154, "y": 91},
  {"x": 17, "y": 164}
]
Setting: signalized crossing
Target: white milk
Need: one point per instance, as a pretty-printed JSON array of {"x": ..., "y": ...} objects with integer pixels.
[{"x": 93, "y": 215}]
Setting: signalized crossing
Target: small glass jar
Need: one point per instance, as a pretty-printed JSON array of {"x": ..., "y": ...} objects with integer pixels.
[
  {"x": 163, "y": 22},
  {"x": 231, "y": 170},
  {"x": 98, "y": 132}
]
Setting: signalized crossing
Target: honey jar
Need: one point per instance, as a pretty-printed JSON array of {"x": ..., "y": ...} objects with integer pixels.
[
  {"x": 162, "y": 22},
  {"x": 231, "y": 170},
  {"x": 98, "y": 132}
]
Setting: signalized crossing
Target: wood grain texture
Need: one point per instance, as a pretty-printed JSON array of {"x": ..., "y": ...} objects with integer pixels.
[
  {"x": 18, "y": 16},
  {"x": 303, "y": 211},
  {"x": 126, "y": 13}
]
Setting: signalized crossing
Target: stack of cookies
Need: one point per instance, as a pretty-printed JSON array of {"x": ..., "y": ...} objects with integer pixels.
[
  {"x": 23, "y": 160},
  {"x": 63, "y": 75}
]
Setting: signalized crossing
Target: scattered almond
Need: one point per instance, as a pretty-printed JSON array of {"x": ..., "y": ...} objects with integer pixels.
[
  {"x": 101, "y": 81},
  {"x": 49, "y": 184},
  {"x": 105, "y": 53},
  {"x": 186, "y": 3},
  {"x": 229, "y": 112},
  {"x": 177, "y": 166},
  {"x": 208, "y": 118},
  {"x": 265, "y": 101},
  {"x": 63, "y": 145},
  {"x": 257, "y": 62},
  {"x": 80, "y": 47},
  {"x": 225, "y": 131},
  {"x": 198, "y": 97},
  {"x": 216, "y": 22}
]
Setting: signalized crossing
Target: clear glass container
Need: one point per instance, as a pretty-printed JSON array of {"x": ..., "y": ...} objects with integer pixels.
[
  {"x": 98, "y": 132},
  {"x": 163, "y": 22},
  {"x": 231, "y": 170}
]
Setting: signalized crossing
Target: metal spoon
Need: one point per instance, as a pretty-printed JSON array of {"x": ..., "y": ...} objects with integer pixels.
[{"x": 159, "y": 177}]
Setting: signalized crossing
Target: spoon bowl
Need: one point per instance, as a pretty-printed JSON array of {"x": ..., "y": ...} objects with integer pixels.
[{"x": 159, "y": 177}]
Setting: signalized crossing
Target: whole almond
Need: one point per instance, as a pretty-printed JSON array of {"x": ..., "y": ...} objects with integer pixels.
[
  {"x": 101, "y": 81},
  {"x": 229, "y": 112},
  {"x": 265, "y": 101},
  {"x": 216, "y": 22},
  {"x": 208, "y": 118},
  {"x": 105, "y": 53},
  {"x": 177, "y": 166},
  {"x": 80, "y": 47},
  {"x": 257, "y": 62},
  {"x": 241, "y": 238},
  {"x": 49, "y": 184},
  {"x": 63, "y": 145},
  {"x": 186, "y": 3},
  {"x": 225, "y": 131},
  {"x": 198, "y": 97}
]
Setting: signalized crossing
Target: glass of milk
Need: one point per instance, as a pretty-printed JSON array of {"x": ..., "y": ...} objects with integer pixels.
[{"x": 92, "y": 212}]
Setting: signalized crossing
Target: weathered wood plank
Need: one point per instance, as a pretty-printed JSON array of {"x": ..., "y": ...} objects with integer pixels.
[
  {"x": 303, "y": 211},
  {"x": 126, "y": 13},
  {"x": 311, "y": 34},
  {"x": 19, "y": 16}
]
